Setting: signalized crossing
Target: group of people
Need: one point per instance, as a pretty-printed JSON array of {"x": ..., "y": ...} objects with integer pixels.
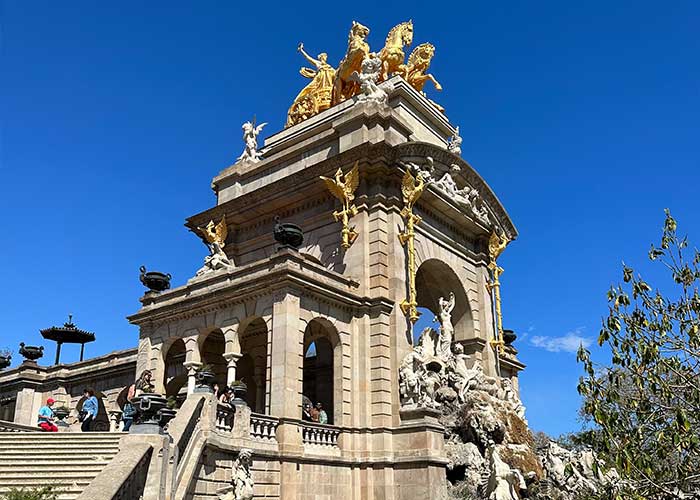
[
  {"x": 86, "y": 415},
  {"x": 314, "y": 413}
]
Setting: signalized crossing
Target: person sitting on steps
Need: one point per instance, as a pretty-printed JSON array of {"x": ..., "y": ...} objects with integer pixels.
[{"x": 46, "y": 417}]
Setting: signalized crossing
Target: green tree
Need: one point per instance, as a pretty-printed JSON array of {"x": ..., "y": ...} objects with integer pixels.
[
  {"x": 42, "y": 493},
  {"x": 645, "y": 406}
]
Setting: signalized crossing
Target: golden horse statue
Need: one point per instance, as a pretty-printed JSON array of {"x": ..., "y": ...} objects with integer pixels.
[
  {"x": 358, "y": 49},
  {"x": 392, "y": 54},
  {"x": 418, "y": 63}
]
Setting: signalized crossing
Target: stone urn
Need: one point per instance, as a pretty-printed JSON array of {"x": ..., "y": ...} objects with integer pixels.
[
  {"x": 148, "y": 407},
  {"x": 240, "y": 391},
  {"x": 154, "y": 280},
  {"x": 205, "y": 379},
  {"x": 288, "y": 235},
  {"x": 61, "y": 413},
  {"x": 166, "y": 415},
  {"x": 30, "y": 352},
  {"x": 509, "y": 337},
  {"x": 5, "y": 360}
]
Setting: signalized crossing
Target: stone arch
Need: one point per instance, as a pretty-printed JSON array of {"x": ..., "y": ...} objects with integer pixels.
[
  {"x": 212, "y": 345},
  {"x": 174, "y": 372},
  {"x": 252, "y": 368},
  {"x": 435, "y": 279},
  {"x": 322, "y": 367}
]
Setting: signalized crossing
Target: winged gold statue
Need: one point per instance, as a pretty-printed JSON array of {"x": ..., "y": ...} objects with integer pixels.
[
  {"x": 497, "y": 243},
  {"x": 215, "y": 238},
  {"x": 343, "y": 187},
  {"x": 411, "y": 190}
]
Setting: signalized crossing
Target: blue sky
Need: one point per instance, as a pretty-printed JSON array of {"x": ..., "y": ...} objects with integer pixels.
[{"x": 582, "y": 117}]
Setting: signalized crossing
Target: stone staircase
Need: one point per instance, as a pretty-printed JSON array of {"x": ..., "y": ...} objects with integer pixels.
[{"x": 66, "y": 460}]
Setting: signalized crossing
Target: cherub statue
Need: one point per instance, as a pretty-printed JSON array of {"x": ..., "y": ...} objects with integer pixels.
[
  {"x": 358, "y": 50},
  {"x": 215, "y": 238},
  {"x": 241, "y": 487},
  {"x": 368, "y": 78},
  {"x": 250, "y": 138},
  {"x": 316, "y": 96},
  {"x": 454, "y": 144}
]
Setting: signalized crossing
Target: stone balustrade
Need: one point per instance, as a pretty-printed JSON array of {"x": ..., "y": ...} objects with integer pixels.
[
  {"x": 320, "y": 434},
  {"x": 6, "y": 426},
  {"x": 224, "y": 418},
  {"x": 263, "y": 427}
]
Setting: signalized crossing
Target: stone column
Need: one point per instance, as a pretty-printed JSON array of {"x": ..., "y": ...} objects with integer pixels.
[
  {"x": 286, "y": 355},
  {"x": 231, "y": 362},
  {"x": 157, "y": 363},
  {"x": 191, "y": 367}
]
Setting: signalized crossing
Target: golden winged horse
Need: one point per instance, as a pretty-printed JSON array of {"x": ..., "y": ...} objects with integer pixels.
[{"x": 343, "y": 187}]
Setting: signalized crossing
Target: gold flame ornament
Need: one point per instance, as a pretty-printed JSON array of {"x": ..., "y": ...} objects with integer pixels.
[
  {"x": 497, "y": 243},
  {"x": 411, "y": 189},
  {"x": 343, "y": 187}
]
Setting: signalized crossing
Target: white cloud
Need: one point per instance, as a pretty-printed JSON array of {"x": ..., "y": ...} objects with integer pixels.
[{"x": 566, "y": 343}]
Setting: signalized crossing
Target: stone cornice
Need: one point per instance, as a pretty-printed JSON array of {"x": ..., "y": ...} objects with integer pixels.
[{"x": 284, "y": 270}]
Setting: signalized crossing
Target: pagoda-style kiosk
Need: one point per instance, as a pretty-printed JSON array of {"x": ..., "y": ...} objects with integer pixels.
[
  {"x": 408, "y": 225},
  {"x": 67, "y": 334}
]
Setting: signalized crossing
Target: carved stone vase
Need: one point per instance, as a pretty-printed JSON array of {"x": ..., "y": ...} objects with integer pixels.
[
  {"x": 30, "y": 352},
  {"x": 148, "y": 413},
  {"x": 5, "y": 361},
  {"x": 509, "y": 336},
  {"x": 166, "y": 415},
  {"x": 288, "y": 235},
  {"x": 155, "y": 281},
  {"x": 240, "y": 391},
  {"x": 205, "y": 381}
]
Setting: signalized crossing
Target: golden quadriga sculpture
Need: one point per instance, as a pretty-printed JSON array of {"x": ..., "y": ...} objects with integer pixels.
[{"x": 330, "y": 86}]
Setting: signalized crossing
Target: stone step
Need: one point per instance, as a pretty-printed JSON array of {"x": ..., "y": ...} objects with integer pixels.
[
  {"x": 57, "y": 435},
  {"x": 56, "y": 445},
  {"x": 77, "y": 484},
  {"x": 14, "y": 468}
]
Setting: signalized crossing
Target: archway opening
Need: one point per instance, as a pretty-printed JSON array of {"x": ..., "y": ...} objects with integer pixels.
[
  {"x": 321, "y": 367},
  {"x": 212, "y": 354},
  {"x": 252, "y": 367},
  {"x": 175, "y": 374},
  {"x": 435, "y": 279}
]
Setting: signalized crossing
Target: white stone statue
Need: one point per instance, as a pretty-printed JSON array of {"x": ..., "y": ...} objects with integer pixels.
[
  {"x": 410, "y": 378},
  {"x": 454, "y": 143},
  {"x": 509, "y": 395},
  {"x": 463, "y": 379},
  {"x": 425, "y": 172},
  {"x": 367, "y": 78},
  {"x": 250, "y": 138},
  {"x": 241, "y": 487},
  {"x": 444, "y": 347},
  {"x": 503, "y": 482}
]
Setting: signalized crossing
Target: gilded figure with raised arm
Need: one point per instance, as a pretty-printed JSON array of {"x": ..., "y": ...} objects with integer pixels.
[{"x": 316, "y": 96}]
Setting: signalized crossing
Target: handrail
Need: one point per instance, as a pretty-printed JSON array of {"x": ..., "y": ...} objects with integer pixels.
[
  {"x": 124, "y": 477},
  {"x": 225, "y": 415},
  {"x": 6, "y": 426}
]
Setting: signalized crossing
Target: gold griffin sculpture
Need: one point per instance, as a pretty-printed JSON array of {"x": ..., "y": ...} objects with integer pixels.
[
  {"x": 316, "y": 96},
  {"x": 411, "y": 190},
  {"x": 392, "y": 54},
  {"x": 497, "y": 243},
  {"x": 343, "y": 187},
  {"x": 344, "y": 86}
]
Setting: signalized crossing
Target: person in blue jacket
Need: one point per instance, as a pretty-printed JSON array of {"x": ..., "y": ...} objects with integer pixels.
[{"x": 90, "y": 407}]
